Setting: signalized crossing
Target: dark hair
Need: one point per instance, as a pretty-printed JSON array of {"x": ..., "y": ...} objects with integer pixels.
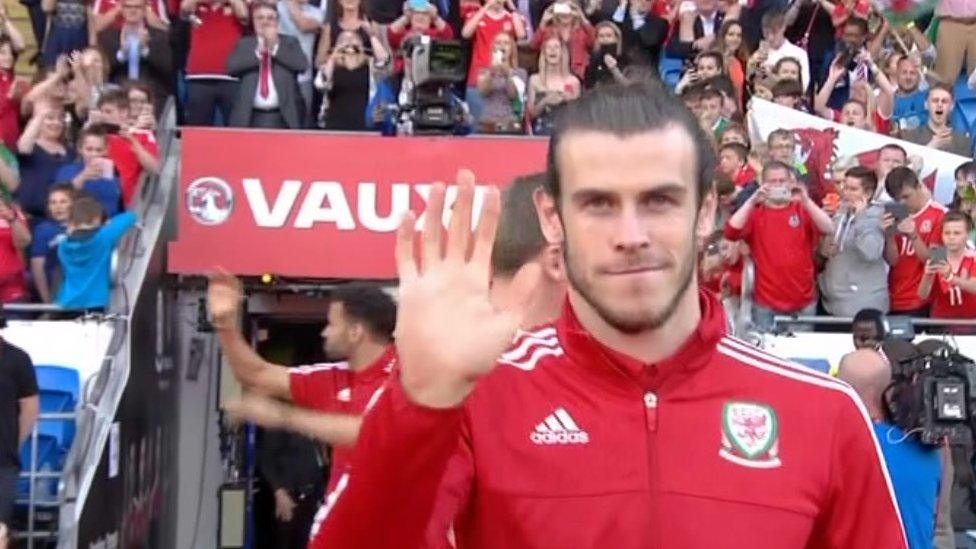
[
  {"x": 693, "y": 92},
  {"x": 774, "y": 18},
  {"x": 871, "y": 315},
  {"x": 334, "y": 14},
  {"x": 723, "y": 185},
  {"x": 785, "y": 60},
  {"x": 780, "y": 133},
  {"x": 861, "y": 24},
  {"x": 66, "y": 188},
  {"x": 519, "y": 239},
  {"x": 718, "y": 57},
  {"x": 721, "y": 83},
  {"x": 739, "y": 149},
  {"x": 85, "y": 209},
  {"x": 5, "y": 41},
  {"x": 370, "y": 305},
  {"x": 96, "y": 130},
  {"x": 942, "y": 86},
  {"x": 711, "y": 93},
  {"x": 775, "y": 165},
  {"x": 899, "y": 178},
  {"x": 115, "y": 96},
  {"x": 967, "y": 169},
  {"x": 629, "y": 109},
  {"x": 142, "y": 86},
  {"x": 956, "y": 215},
  {"x": 894, "y": 147},
  {"x": 738, "y": 128},
  {"x": 789, "y": 87},
  {"x": 867, "y": 177}
]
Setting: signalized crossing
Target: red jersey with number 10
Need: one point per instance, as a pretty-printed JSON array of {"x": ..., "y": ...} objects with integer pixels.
[
  {"x": 567, "y": 443},
  {"x": 951, "y": 301},
  {"x": 906, "y": 274}
]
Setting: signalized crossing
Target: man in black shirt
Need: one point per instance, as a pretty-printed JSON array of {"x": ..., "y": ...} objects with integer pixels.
[{"x": 19, "y": 407}]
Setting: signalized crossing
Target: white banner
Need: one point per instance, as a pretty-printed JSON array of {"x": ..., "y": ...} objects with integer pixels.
[{"x": 828, "y": 148}]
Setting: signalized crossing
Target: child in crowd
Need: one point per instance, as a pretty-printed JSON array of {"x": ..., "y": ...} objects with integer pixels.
[
  {"x": 86, "y": 254},
  {"x": 48, "y": 235}
]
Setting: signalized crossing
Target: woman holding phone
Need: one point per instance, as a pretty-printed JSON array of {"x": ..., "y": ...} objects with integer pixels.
[{"x": 552, "y": 86}]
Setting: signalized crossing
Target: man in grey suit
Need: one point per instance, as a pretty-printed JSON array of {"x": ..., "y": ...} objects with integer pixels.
[
  {"x": 268, "y": 65},
  {"x": 856, "y": 275}
]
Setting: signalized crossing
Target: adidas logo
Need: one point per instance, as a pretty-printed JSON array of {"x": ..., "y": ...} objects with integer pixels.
[{"x": 559, "y": 428}]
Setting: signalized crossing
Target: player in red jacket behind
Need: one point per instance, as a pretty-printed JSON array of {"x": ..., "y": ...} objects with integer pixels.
[{"x": 631, "y": 422}]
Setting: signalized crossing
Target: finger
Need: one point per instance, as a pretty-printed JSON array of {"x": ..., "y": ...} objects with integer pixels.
[
  {"x": 433, "y": 227},
  {"x": 459, "y": 233},
  {"x": 485, "y": 233},
  {"x": 405, "y": 258}
]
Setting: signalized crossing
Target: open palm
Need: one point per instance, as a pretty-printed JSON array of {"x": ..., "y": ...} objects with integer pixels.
[{"x": 448, "y": 332}]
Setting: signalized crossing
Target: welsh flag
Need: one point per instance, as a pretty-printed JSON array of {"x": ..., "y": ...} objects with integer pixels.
[{"x": 903, "y": 11}]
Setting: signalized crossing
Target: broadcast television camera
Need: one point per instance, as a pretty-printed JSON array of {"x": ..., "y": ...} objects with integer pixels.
[
  {"x": 427, "y": 104},
  {"x": 931, "y": 394}
]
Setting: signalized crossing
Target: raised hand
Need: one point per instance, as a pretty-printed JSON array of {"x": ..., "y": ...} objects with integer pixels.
[
  {"x": 448, "y": 333},
  {"x": 223, "y": 298}
]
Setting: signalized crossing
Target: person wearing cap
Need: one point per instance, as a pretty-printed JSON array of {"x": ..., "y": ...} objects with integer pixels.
[{"x": 420, "y": 18}]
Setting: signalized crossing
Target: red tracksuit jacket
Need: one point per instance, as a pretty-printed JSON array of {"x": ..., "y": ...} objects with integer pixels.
[{"x": 568, "y": 444}]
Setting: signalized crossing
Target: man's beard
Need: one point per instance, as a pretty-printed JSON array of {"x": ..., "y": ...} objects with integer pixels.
[{"x": 645, "y": 320}]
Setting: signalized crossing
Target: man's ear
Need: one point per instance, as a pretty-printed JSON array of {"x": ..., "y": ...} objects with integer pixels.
[
  {"x": 549, "y": 221},
  {"x": 706, "y": 218},
  {"x": 552, "y": 262}
]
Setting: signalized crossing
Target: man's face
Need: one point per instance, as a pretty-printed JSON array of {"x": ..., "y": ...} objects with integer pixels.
[
  {"x": 733, "y": 137},
  {"x": 939, "y": 106},
  {"x": 706, "y": 7},
  {"x": 912, "y": 197},
  {"x": 134, "y": 12},
  {"x": 629, "y": 222},
  {"x": 694, "y": 104},
  {"x": 853, "y": 36},
  {"x": 265, "y": 19},
  {"x": 889, "y": 159},
  {"x": 908, "y": 76},
  {"x": 853, "y": 115},
  {"x": 781, "y": 150},
  {"x": 337, "y": 338},
  {"x": 775, "y": 35},
  {"x": 92, "y": 147},
  {"x": 420, "y": 20},
  {"x": 777, "y": 178},
  {"x": 707, "y": 67},
  {"x": 762, "y": 92},
  {"x": 729, "y": 162},
  {"x": 955, "y": 234},
  {"x": 866, "y": 335}
]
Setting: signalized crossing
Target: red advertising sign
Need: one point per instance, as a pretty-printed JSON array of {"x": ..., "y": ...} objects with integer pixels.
[{"x": 319, "y": 205}]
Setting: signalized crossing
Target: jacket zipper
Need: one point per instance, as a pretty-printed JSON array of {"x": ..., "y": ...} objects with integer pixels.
[{"x": 651, "y": 412}]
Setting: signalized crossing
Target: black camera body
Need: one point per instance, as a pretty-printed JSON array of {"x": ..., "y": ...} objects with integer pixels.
[
  {"x": 433, "y": 69},
  {"x": 931, "y": 397}
]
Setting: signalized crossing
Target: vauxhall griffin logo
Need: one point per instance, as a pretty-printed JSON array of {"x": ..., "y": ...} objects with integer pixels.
[{"x": 209, "y": 200}]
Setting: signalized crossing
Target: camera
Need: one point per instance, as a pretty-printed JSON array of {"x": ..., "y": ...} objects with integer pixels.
[
  {"x": 428, "y": 104},
  {"x": 846, "y": 54},
  {"x": 930, "y": 395}
]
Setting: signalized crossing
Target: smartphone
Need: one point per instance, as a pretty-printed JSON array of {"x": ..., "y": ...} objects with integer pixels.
[
  {"x": 780, "y": 194},
  {"x": 938, "y": 255},
  {"x": 608, "y": 49},
  {"x": 897, "y": 210},
  {"x": 108, "y": 168},
  {"x": 498, "y": 57}
]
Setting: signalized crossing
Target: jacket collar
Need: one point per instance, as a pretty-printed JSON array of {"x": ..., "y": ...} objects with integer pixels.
[{"x": 693, "y": 354}]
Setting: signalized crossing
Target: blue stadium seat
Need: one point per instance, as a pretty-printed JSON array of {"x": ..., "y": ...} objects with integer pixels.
[
  {"x": 58, "y": 382},
  {"x": 819, "y": 364},
  {"x": 964, "y": 114},
  {"x": 48, "y": 459}
]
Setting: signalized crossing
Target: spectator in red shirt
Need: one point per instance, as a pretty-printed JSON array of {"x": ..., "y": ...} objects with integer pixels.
[
  {"x": 565, "y": 20},
  {"x": 951, "y": 284},
  {"x": 415, "y": 22},
  {"x": 481, "y": 26},
  {"x": 782, "y": 227},
  {"x": 14, "y": 237},
  {"x": 217, "y": 25},
  {"x": 909, "y": 241},
  {"x": 133, "y": 150},
  {"x": 12, "y": 90},
  {"x": 733, "y": 161},
  {"x": 106, "y": 14}
]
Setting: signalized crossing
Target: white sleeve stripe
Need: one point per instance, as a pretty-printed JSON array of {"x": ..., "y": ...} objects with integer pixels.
[
  {"x": 774, "y": 360},
  {"x": 843, "y": 388}
]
